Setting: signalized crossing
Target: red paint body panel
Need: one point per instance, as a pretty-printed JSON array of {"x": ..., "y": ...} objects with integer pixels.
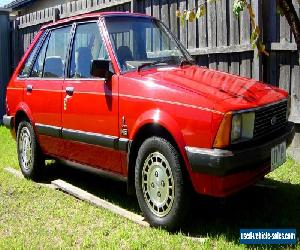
[
  {"x": 188, "y": 101},
  {"x": 92, "y": 108}
]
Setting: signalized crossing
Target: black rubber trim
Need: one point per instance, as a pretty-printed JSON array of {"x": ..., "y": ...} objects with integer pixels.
[
  {"x": 123, "y": 144},
  {"x": 8, "y": 121},
  {"x": 225, "y": 162},
  {"x": 48, "y": 130},
  {"x": 106, "y": 141},
  {"x": 90, "y": 138}
]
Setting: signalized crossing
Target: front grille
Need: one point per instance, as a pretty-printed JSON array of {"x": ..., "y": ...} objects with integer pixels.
[{"x": 269, "y": 119}]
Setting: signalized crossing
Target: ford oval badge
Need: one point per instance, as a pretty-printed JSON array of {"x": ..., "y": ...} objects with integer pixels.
[{"x": 273, "y": 120}]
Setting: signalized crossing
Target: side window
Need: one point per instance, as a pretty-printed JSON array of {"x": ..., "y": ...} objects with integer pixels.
[
  {"x": 55, "y": 58},
  {"x": 28, "y": 64},
  {"x": 88, "y": 46},
  {"x": 37, "y": 70}
]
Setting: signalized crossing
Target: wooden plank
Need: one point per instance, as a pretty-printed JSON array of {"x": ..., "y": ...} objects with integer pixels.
[
  {"x": 284, "y": 62},
  {"x": 234, "y": 64},
  {"x": 18, "y": 174},
  {"x": 183, "y": 28},
  {"x": 245, "y": 66},
  {"x": 223, "y": 62},
  {"x": 221, "y": 9},
  {"x": 282, "y": 46},
  {"x": 211, "y": 24},
  {"x": 14, "y": 172},
  {"x": 173, "y": 18},
  {"x": 148, "y": 10},
  {"x": 285, "y": 31},
  {"x": 155, "y": 13},
  {"x": 191, "y": 28},
  {"x": 89, "y": 4},
  {"x": 202, "y": 29},
  {"x": 244, "y": 27},
  {"x": 134, "y": 6},
  {"x": 221, "y": 49},
  {"x": 164, "y": 17},
  {"x": 212, "y": 61},
  {"x": 295, "y": 92},
  {"x": 79, "y": 5},
  {"x": 80, "y": 9},
  {"x": 96, "y": 201}
]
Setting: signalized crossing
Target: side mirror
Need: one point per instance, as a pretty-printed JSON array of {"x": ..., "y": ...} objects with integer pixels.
[{"x": 100, "y": 69}]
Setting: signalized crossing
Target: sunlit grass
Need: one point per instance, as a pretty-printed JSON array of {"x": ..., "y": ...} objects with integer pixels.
[{"x": 34, "y": 217}]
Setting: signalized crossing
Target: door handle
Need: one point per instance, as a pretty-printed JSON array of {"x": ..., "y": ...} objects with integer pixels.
[
  {"x": 70, "y": 91},
  {"x": 29, "y": 88}
]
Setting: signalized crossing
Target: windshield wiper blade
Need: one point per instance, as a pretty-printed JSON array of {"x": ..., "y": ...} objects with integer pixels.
[{"x": 147, "y": 64}]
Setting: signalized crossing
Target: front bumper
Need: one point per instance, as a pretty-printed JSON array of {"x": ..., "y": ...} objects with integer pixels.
[
  {"x": 218, "y": 162},
  {"x": 8, "y": 121}
]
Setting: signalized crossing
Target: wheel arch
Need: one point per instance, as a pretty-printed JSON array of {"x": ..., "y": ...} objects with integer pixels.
[
  {"x": 149, "y": 125},
  {"x": 22, "y": 113}
]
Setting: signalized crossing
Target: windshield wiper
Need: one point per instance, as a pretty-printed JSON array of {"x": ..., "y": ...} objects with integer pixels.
[{"x": 147, "y": 64}]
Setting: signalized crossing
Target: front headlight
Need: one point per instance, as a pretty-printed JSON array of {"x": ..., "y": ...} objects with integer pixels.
[{"x": 242, "y": 126}]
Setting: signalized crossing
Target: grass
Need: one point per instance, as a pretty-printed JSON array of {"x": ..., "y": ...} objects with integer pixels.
[{"x": 32, "y": 216}]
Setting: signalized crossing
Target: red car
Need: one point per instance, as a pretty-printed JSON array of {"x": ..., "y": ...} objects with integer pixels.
[{"x": 117, "y": 93}]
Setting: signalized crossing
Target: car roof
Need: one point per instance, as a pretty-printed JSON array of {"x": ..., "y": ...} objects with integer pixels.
[{"x": 92, "y": 16}]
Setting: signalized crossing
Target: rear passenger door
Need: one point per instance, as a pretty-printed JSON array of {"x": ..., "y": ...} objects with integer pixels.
[
  {"x": 43, "y": 89},
  {"x": 90, "y": 112}
]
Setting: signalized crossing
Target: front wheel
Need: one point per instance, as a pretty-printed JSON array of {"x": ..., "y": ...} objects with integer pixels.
[
  {"x": 160, "y": 184},
  {"x": 30, "y": 157}
]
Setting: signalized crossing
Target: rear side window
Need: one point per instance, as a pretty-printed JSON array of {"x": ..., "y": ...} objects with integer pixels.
[
  {"x": 55, "y": 59},
  {"x": 88, "y": 46},
  {"x": 37, "y": 70},
  {"x": 25, "y": 72}
]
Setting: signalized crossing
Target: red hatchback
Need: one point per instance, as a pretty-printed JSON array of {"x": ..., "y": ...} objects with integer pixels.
[{"x": 117, "y": 93}]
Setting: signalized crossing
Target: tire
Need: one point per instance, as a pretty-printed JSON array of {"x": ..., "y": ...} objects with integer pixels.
[
  {"x": 161, "y": 188},
  {"x": 31, "y": 159}
]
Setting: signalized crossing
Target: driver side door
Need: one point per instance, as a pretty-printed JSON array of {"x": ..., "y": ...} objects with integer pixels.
[{"x": 90, "y": 105}]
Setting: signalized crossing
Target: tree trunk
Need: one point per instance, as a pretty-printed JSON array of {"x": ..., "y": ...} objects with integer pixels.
[{"x": 293, "y": 20}]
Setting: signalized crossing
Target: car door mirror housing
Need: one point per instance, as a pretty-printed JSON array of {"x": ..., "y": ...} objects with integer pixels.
[{"x": 100, "y": 69}]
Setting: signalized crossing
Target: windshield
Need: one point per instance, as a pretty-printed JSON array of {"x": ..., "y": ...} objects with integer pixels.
[{"x": 144, "y": 42}]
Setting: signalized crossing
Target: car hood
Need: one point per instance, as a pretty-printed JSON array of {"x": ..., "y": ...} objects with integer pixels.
[{"x": 225, "y": 91}]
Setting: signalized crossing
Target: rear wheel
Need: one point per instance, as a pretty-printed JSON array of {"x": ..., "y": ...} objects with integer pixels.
[
  {"x": 160, "y": 184},
  {"x": 30, "y": 157}
]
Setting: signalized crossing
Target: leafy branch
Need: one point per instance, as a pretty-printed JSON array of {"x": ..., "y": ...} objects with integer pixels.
[{"x": 238, "y": 6}]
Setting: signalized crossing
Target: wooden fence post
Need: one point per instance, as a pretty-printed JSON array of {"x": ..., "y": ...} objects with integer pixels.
[{"x": 5, "y": 57}]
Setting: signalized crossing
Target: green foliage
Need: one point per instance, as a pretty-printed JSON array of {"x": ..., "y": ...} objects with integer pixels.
[
  {"x": 238, "y": 6},
  {"x": 279, "y": 10}
]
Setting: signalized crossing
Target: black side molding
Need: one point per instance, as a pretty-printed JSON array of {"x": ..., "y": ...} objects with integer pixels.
[
  {"x": 48, "y": 130},
  {"x": 90, "y": 138},
  {"x": 106, "y": 141},
  {"x": 8, "y": 121}
]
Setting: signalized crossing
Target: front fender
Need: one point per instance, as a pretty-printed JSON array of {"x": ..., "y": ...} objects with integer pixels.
[{"x": 162, "y": 118}]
